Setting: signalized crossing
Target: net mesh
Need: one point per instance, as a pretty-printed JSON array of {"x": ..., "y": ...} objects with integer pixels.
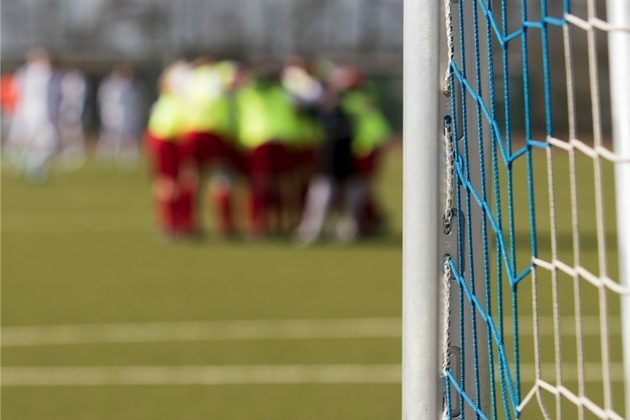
[{"x": 531, "y": 283}]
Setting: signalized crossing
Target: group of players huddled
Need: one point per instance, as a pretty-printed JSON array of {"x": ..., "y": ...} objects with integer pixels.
[{"x": 306, "y": 141}]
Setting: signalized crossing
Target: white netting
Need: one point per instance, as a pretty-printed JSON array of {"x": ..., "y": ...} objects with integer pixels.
[{"x": 535, "y": 283}]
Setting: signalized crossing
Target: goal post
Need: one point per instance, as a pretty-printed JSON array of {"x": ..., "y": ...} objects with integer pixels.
[
  {"x": 421, "y": 357},
  {"x": 619, "y": 41}
]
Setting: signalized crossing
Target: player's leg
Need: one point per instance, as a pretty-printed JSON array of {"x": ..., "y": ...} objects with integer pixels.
[
  {"x": 318, "y": 202},
  {"x": 221, "y": 161},
  {"x": 129, "y": 152},
  {"x": 283, "y": 198},
  {"x": 165, "y": 159},
  {"x": 306, "y": 157},
  {"x": 72, "y": 153},
  {"x": 302, "y": 171},
  {"x": 353, "y": 205},
  {"x": 40, "y": 149},
  {"x": 372, "y": 217},
  {"x": 14, "y": 147},
  {"x": 260, "y": 189},
  {"x": 106, "y": 145},
  {"x": 191, "y": 164}
]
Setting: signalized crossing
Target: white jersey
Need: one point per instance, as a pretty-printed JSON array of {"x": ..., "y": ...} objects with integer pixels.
[
  {"x": 36, "y": 105},
  {"x": 35, "y": 120},
  {"x": 121, "y": 106},
  {"x": 73, "y": 95},
  {"x": 34, "y": 135}
]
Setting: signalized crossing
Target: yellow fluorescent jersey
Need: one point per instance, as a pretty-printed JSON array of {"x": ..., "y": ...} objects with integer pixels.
[
  {"x": 311, "y": 131},
  {"x": 371, "y": 129},
  {"x": 283, "y": 115},
  {"x": 207, "y": 107},
  {"x": 266, "y": 114},
  {"x": 167, "y": 117},
  {"x": 254, "y": 128}
]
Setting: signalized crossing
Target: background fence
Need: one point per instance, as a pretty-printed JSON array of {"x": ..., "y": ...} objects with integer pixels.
[{"x": 96, "y": 33}]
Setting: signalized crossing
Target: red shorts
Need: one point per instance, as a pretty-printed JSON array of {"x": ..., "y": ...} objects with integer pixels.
[
  {"x": 206, "y": 148},
  {"x": 271, "y": 158},
  {"x": 240, "y": 160},
  {"x": 165, "y": 155},
  {"x": 305, "y": 158},
  {"x": 367, "y": 165}
]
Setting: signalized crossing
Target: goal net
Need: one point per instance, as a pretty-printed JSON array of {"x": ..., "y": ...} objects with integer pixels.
[{"x": 533, "y": 183}]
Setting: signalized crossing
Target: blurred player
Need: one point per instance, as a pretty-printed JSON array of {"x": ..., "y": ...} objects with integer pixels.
[
  {"x": 121, "y": 109},
  {"x": 306, "y": 92},
  {"x": 174, "y": 218},
  {"x": 207, "y": 145},
  {"x": 267, "y": 128},
  {"x": 354, "y": 132},
  {"x": 335, "y": 176},
  {"x": 33, "y": 138},
  {"x": 371, "y": 133},
  {"x": 71, "y": 109}
]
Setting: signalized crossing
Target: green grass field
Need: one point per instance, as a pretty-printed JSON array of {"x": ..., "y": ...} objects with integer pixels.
[{"x": 81, "y": 250}]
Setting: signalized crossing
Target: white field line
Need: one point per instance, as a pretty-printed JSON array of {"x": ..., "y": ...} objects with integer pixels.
[
  {"x": 249, "y": 374},
  {"x": 201, "y": 375},
  {"x": 178, "y": 331},
  {"x": 201, "y": 331},
  {"x": 85, "y": 228}
]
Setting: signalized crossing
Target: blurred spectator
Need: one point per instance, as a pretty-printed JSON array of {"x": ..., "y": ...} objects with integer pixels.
[
  {"x": 121, "y": 107},
  {"x": 71, "y": 110},
  {"x": 33, "y": 138}
]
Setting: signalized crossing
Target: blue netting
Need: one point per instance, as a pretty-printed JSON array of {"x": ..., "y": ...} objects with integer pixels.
[{"x": 484, "y": 264}]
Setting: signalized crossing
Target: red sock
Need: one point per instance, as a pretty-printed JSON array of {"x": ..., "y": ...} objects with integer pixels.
[
  {"x": 371, "y": 215},
  {"x": 166, "y": 211},
  {"x": 186, "y": 220},
  {"x": 257, "y": 216},
  {"x": 223, "y": 204}
]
